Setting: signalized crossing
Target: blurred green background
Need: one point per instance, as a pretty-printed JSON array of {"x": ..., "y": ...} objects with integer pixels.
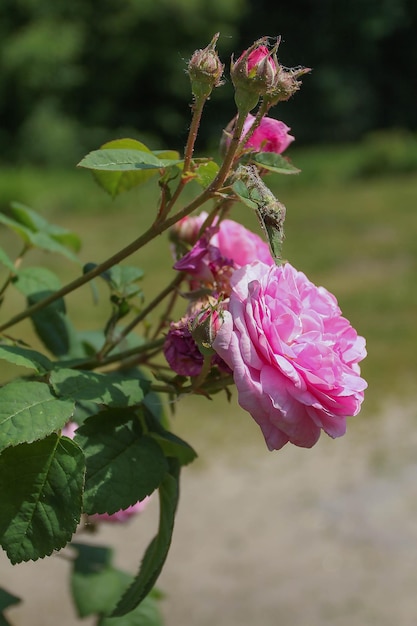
[{"x": 74, "y": 75}]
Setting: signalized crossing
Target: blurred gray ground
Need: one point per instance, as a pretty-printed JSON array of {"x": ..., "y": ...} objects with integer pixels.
[{"x": 317, "y": 537}]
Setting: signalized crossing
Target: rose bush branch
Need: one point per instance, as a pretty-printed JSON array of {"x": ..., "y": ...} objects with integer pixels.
[{"x": 85, "y": 436}]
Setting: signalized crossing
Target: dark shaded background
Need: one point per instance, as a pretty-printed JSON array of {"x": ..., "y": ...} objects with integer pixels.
[{"x": 73, "y": 75}]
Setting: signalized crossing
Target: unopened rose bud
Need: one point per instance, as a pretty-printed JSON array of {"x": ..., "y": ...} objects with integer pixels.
[
  {"x": 205, "y": 69},
  {"x": 187, "y": 229},
  {"x": 254, "y": 74},
  {"x": 287, "y": 84},
  {"x": 204, "y": 328}
]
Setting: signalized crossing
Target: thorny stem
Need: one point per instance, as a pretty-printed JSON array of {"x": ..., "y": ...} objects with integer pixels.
[{"x": 197, "y": 109}]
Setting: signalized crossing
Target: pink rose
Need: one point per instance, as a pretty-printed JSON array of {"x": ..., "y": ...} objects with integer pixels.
[
  {"x": 223, "y": 248},
  {"x": 240, "y": 244},
  {"x": 271, "y": 135},
  {"x": 294, "y": 357}
]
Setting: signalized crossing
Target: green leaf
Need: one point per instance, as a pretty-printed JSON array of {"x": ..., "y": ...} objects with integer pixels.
[
  {"x": 146, "y": 614},
  {"x": 7, "y": 262},
  {"x": 41, "y": 497},
  {"x": 95, "y": 584},
  {"x": 124, "y": 160},
  {"x": 157, "y": 550},
  {"x": 123, "y": 465},
  {"x": 206, "y": 173},
  {"x": 123, "y": 278},
  {"x": 242, "y": 191},
  {"x": 7, "y": 599},
  {"x": 36, "y": 223},
  {"x": 170, "y": 444},
  {"x": 42, "y": 239},
  {"x": 113, "y": 390},
  {"x": 117, "y": 182},
  {"x": 51, "y": 323},
  {"x": 25, "y": 357},
  {"x": 274, "y": 162},
  {"x": 29, "y": 411}
]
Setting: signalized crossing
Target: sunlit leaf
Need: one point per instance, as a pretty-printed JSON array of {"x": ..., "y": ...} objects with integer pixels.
[
  {"x": 25, "y": 357},
  {"x": 29, "y": 411},
  {"x": 120, "y": 160},
  {"x": 113, "y": 390},
  {"x": 274, "y": 162},
  {"x": 41, "y": 497}
]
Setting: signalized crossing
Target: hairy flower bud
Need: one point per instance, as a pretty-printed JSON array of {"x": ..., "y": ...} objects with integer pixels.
[
  {"x": 286, "y": 84},
  {"x": 254, "y": 74},
  {"x": 205, "y": 69}
]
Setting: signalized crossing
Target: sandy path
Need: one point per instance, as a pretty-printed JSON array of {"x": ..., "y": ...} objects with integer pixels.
[{"x": 296, "y": 538}]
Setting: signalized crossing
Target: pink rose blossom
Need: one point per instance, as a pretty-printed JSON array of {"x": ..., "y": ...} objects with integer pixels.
[
  {"x": 222, "y": 248},
  {"x": 294, "y": 357},
  {"x": 271, "y": 135},
  {"x": 240, "y": 244}
]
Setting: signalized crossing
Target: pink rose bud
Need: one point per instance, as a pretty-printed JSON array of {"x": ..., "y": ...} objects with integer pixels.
[
  {"x": 256, "y": 69},
  {"x": 187, "y": 229},
  {"x": 205, "y": 69}
]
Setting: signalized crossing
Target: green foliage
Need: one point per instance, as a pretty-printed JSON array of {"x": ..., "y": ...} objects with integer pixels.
[
  {"x": 41, "y": 494},
  {"x": 157, "y": 550},
  {"x": 97, "y": 585},
  {"x": 124, "y": 464},
  {"x": 30, "y": 411},
  {"x": 6, "y": 599}
]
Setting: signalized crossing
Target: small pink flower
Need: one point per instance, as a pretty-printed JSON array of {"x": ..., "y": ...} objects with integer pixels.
[
  {"x": 240, "y": 244},
  {"x": 223, "y": 248},
  {"x": 271, "y": 135},
  {"x": 294, "y": 357}
]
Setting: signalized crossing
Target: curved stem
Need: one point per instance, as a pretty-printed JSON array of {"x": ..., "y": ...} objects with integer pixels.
[{"x": 197, "y": 107}]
